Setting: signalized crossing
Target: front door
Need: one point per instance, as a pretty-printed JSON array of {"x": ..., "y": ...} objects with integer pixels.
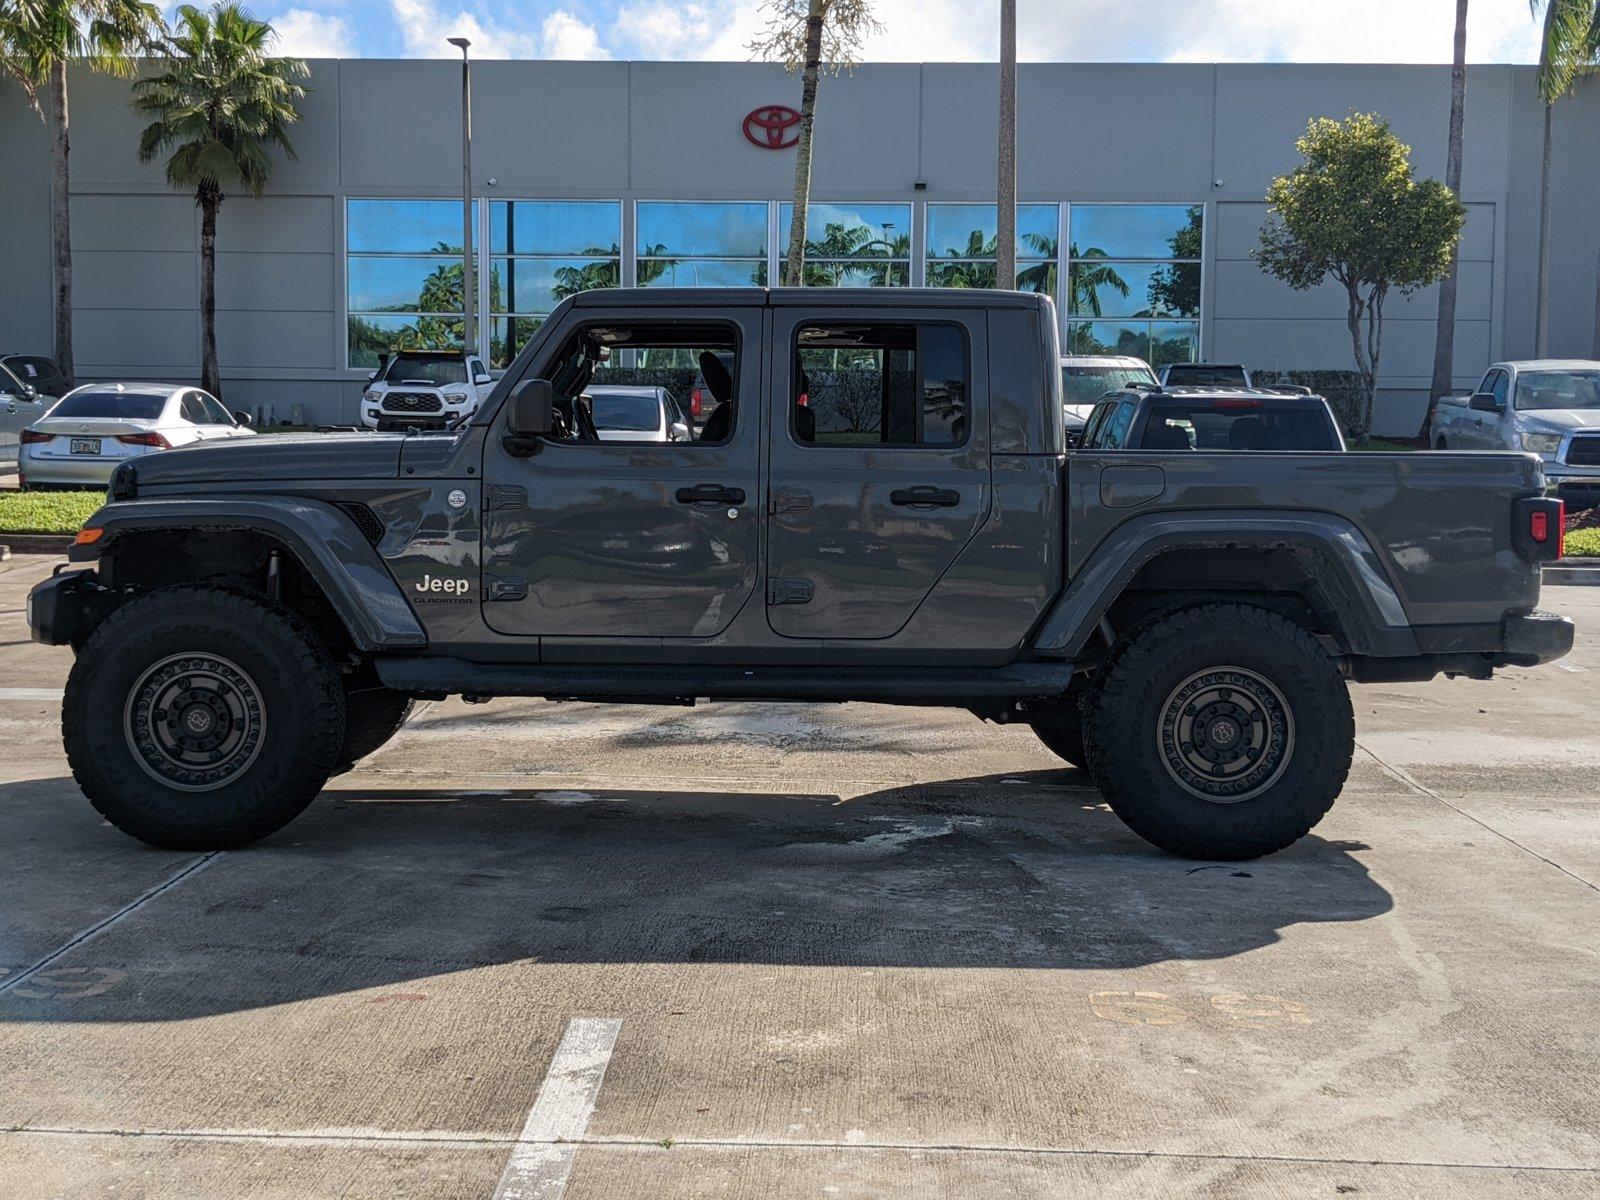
[
  {"x": 879, "y": 470},
  {"x": 637, "y": 539}
]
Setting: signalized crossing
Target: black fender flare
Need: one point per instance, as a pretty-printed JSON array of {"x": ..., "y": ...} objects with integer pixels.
[
  {"x": 323, "y": 539},
  {"x": 1347, "y": 569}
]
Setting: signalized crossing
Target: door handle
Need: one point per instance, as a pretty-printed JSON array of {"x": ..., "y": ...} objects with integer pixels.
[
  {"x": 710, "y": 493},
  {"x": 925, "y": 496}
]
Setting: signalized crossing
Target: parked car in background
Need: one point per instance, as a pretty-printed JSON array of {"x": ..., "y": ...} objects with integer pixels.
[
  {"x": 1549, "y": 407},
  {"x": 21, "y": 403},
  {"x": 1212, "y": 419},
  {"x": 1085, "y": 378},
  {"x": 37, "y": 372},
  {"x": 636, "y": 413},
  {"x": 425, "y": 389},
  {"x": 1205, "y": 375},
  {"x": 94, "y": 429}
]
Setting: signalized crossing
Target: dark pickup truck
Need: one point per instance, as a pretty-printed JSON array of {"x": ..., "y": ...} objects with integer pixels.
[{"x": 877, "y": 507}]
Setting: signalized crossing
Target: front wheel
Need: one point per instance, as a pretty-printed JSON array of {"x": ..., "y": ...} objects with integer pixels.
[
  {"x": 1221, "y": 732},
  {"x": 198, "y": 718}
]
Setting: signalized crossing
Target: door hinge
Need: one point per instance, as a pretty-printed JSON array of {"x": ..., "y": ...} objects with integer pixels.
[
  {"x": 504, "y": 587},
  {"x": 502, "y": 495},
  {"x": 789, "y": 591},
  {"x": 788, "y": 500}
]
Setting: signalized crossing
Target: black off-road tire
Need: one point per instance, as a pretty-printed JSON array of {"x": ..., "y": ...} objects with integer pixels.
[
  {"x": 226, "y": 664},
  {"x": 372, "y": 715},
  {"x": 1221, "y": 679}
]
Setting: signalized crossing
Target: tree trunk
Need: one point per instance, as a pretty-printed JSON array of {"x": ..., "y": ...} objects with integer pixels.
[
  {"x": 210, "y": 378},
  {"x": 61, "y": 221},
  {"x": 1005, "y": 249},
  {"x": 1594, "y": 346},
  {"x": 1355, "y": 310},
  {"x": 795, "y": 261},
  {"x": 1541, "y": 325},
  {"x": 1444, "y": 345}
]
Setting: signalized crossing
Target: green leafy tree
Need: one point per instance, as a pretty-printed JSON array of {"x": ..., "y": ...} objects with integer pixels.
[
  {"x": 1088, "y": 277},
  {"x": 218, "y": 110},
  {"x": 37, "y": 40},
  {"x": 804, "y": 35},
  {"x": 1352, "y": 213},
  {"x": 1176, "y": 288},
  {"x": 1569, "y": 41}
]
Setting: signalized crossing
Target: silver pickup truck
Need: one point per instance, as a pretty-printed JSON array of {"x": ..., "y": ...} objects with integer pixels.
[{"x": 1549, "y": 407}]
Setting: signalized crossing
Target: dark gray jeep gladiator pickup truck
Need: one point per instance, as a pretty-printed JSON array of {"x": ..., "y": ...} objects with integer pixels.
[{"x": 878, "y": 508}]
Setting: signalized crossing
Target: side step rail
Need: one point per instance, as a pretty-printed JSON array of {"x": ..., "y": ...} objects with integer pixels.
[{"x": 960, "y": 687}]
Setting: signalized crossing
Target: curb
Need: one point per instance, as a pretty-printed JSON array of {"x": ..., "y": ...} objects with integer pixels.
[
  {"x": 35, "y": 543},
  {"x": 1572, "y": 572}
]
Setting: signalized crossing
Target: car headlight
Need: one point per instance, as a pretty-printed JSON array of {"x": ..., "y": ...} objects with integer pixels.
[
  {"x": 1541, "y": 443},
  {"x": 455, "y": 397},
  {"x": 370, "y": 395}
]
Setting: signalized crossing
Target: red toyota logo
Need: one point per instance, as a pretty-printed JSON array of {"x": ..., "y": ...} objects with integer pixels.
[{"x": 773, "y": 127}]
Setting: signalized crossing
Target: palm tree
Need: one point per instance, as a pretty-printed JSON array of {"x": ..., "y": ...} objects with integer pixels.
[
  {"x": 1088, "y": 280},
  {"x": 221, "y": 106},
  {"x": 37, "y": 40},
  {"x": 1568, "y": 45},
  {"x": 1444, "y": 344},
  {"x": 802, "y": 34}
]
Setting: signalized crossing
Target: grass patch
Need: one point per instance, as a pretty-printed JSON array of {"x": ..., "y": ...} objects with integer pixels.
[
  {"x": 47, "y": 512},
  {"x": 1583, "y": 543},
  {"x": 1379, "y": 445}
]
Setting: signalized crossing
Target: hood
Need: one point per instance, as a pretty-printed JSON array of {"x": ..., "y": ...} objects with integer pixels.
[
  {"x": 1559, "y": 420},
  {"x": 276, "y": 456}
]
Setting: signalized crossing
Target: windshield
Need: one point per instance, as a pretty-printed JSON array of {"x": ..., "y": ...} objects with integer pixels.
[
  {"x": 1544, "y": 390},
  {"x": 117, "y": 406},
  {"x": 1085, "y": 385},
  {"x": 635, "y": 411},
  {"x": 425, "y": 368},
  {"x": 1204, "y": 375},
  {"x": 1240, "y": 425}
]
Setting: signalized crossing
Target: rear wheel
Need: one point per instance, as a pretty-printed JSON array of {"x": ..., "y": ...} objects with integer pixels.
[
  {"x": 1221, "y": 732},
  {"x": 198, "y": 718}
]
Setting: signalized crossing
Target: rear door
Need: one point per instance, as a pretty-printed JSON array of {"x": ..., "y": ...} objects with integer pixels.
[
  {"x": 879, "y": 473},
  {"x": 12, "y": 410}
]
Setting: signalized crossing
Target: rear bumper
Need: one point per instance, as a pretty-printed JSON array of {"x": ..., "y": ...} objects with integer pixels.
[
  {"x": 1531, "y": 638},
  {"x": 85, "y": 471}
]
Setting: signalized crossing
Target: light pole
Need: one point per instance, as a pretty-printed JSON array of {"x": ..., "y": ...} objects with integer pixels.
[
  {"x": 1005, "y": 250},
  {"x": 469, "y": 292}
]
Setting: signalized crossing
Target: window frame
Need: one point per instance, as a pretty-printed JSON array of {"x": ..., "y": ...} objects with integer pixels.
[
  {"x": 939, "y": 447},
  {"x": 764, "y": 259},
  {"x": 487, "y": 318},
  {"x": 1068, "y": 261}
]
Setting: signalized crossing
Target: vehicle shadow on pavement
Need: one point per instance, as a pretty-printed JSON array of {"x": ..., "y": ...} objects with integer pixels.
[{"x": 373, "y": 888}]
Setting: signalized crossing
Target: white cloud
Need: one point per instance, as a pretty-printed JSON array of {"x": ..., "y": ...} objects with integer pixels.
[
  {"x": 424, "y": 26},
  {"x": 565, "y": 36},
  {"x": 305, "y": 34},
  {"x": 702, "y": 30}
]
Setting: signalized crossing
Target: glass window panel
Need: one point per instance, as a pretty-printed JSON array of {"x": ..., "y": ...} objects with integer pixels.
[
  {"x": 404, "y": 284},
  {"x": 1109, "y": 337},
  {"x": 702, "y": 272},
  {"x": 370, "y": 336},
  {"x": 902, "y": 385},
  {"x": 1037, "y": 277},
  {"x": 961, "y": 274},
  {"x": 536, "y": 285},
  {"x": 968, "y": 230},
  {"x": 508, "y": 335},
  {"x": 1136, "y": 230},
  {"x": 1130, "y": 289},
  {"x": 572, "y": 228},
  {"x": 403, "y": 226},
  {"x": 676, "y": 229},
  {"x": 836, "y": 230},
  {"x": 857, "y": 274},
  {"x": 1174, "y": 341}
]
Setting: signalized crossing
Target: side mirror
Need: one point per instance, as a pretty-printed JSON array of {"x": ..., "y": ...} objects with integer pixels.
[
  {"x": 242, "y": 418},
  {"x": 530, "y": 414},
  {"x": 480, "y": 380},
  {"x": 1484, "y": 402},
  {"x": 371, "y": 375},
  {"x": 29, "y": 393}
]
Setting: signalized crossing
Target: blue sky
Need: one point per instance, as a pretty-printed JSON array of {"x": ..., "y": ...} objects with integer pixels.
[{"x": 915, "y": 30}]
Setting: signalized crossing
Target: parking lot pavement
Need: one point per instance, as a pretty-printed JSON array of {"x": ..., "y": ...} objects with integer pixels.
[{"x": 809, "y": 951}]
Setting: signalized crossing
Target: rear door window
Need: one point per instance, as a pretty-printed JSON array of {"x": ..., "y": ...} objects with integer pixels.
[{"x": 884, "y": 384}]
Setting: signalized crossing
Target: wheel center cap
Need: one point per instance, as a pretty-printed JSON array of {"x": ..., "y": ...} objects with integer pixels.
[
  {"x": 198, "y": 719},
  {"x": 1224, "y": 733}
]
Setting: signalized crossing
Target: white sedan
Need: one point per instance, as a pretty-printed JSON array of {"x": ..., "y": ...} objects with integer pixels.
[
  {"x": 636, "y": 413},
  {"x": 93, "y": 429}
]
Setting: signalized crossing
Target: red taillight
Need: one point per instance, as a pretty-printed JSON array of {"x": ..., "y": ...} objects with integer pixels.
[
  {"x": 1540, "y": 523},
  {"x": 1539, "y": 526},
  {"x": 31, "y": 437},
  {"x": 1238, "y": 403},
  {"x": 144, "y": 439},
  {"x": 696, "y": 402}
]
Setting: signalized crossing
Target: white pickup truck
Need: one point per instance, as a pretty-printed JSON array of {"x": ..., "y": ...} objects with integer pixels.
[
  {"x": 1549, "y": 407},
  {"x": 425, "y": 389}
]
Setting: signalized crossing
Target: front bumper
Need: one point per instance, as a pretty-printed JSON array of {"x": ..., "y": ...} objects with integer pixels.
[{"x": 63, "y": 609}]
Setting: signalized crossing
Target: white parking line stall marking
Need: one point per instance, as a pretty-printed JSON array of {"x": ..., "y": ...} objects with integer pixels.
[
  {"x": 30, "y": 693},
  {"x": 542, "y": 1158}
]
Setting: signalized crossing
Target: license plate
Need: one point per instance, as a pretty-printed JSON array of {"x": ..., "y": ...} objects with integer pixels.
[{"x": 86, "y": 445}]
